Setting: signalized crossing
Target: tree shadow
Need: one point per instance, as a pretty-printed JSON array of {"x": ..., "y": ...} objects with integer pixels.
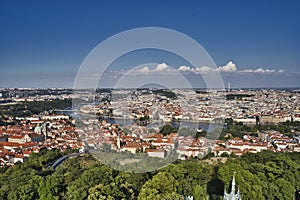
[
  {"x": 297, "y": 195},
  {"x": 215, "y": 187}
]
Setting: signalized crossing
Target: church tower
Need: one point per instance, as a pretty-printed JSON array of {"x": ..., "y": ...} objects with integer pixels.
[
  {"x": 44, "y": 129},
  {"x": 118, "y": 141},
  {"x": 38, "y": 129},
  {"x": 232, "y": 195}
]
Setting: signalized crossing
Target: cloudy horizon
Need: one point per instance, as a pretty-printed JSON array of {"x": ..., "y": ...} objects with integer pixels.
[{"x": 259, "y": 77}]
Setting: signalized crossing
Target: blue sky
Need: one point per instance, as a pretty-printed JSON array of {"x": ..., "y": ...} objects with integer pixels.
[{"x": 43, "y": 43}]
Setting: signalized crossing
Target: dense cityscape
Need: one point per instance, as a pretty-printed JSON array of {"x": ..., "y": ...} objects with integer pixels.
[
  {"x": 162, "y": 125},
  {"x": 26, "y": 134}
]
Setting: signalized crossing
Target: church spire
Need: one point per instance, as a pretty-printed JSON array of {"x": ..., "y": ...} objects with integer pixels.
[
  {"x": 233, "y": 184},
  {"x": 118, "y": 141},
  {"x": 238, "y": 193},
  {"x": 232, "y": 195}
]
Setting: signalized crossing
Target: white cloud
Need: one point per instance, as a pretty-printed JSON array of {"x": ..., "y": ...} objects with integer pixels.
[
  {"x": 261, "y": 70},
  {"x": 144, "y": 70},
  {"x": 161, "y": 67},
  {"x": 270, "y": 71},
  {"x": 152, "y": 69},
  {"x": 229, "y": 67},
  {"x": 204, "y": 70},
  {"x": 184, "y": 68},
  {"x": 248, "y": 70}
]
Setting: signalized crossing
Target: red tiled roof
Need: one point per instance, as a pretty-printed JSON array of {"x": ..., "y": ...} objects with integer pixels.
[
  {"x": 10, "y": 144},
  {"x": 154, "y": 150},
  {"x": 29, "y": 144},
  {"x": 19, "y": 156},
  {"x": 16, "y": 136},
  {"x": 132, "y": 145}
]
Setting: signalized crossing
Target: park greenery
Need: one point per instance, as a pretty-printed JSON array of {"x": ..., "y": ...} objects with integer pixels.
[
  {"x": 237, "y": 96},
  {"x": 29, "y": 108},
  {"x": 264, "y": 175},
  {"x": 165, "y": 92},
  {"x": 238, "y": 129},
  {"x": 167, "y": 129}
]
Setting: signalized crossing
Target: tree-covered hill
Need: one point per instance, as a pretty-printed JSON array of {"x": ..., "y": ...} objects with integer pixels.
[{"x": 265, "y": 175}]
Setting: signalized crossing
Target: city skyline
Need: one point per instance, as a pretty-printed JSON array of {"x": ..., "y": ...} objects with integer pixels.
[{"x": 254, "y": 45}]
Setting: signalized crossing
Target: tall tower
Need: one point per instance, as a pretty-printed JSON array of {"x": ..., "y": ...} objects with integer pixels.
[
  {"x": 228, "y": 87},
  {"x": 232, "y": 195},
  {"x": 118, "y": 142},
  {"x": 44, "y": 129},
  {"x": 38, "y": 129},
  {"x": 233, "y": 184}
]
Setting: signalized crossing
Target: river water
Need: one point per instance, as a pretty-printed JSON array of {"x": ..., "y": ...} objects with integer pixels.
[{"x": 208, "y": 127}]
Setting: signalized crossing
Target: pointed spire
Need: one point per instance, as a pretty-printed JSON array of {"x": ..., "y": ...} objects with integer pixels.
[
  {"x": 238, "y": 193},
  {"x": 118, "y": 141},
  {"x": 233, "y": 184},
  {"x": 232, "y": 195}
]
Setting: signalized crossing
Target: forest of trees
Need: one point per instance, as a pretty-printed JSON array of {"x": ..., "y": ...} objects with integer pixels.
[
  {"x": 265, "y": 175},
  {"x": 238, "y": 129},
  {"x": 29, "y": 108}
]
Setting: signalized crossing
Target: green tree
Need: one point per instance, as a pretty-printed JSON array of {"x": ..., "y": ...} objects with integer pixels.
[
  {"x": 167, "y": 129},
  {"x": 161, "y": 185},
  {"x": 200, "y": 193}
]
